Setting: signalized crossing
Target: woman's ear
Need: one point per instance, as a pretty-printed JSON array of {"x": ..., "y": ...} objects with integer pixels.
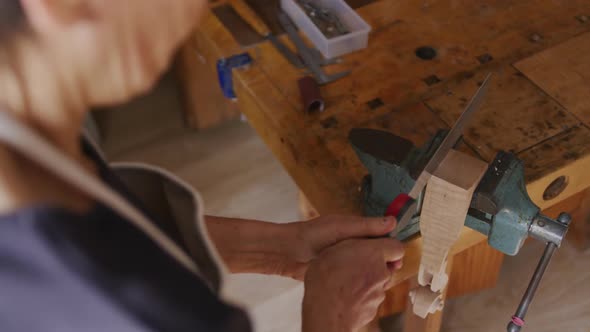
[{"x": 48, "y": 14}]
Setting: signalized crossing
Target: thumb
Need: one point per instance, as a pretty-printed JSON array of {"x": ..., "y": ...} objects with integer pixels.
[{"x": 339, "y": 228}]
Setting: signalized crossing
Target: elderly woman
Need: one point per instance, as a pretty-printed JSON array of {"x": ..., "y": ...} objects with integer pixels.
[{"x": 89, "y": 247}]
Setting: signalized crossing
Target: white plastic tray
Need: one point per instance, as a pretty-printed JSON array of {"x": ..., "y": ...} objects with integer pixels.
[{"x": 355, "y": 40}]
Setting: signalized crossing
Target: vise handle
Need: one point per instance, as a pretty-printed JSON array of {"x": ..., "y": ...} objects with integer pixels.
[{"x": 517, "y": 321}]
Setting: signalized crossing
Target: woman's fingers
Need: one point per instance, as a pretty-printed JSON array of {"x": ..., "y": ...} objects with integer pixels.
[
  {"x": 333, "y": 229},
  {"x": 393, "y": 250}
]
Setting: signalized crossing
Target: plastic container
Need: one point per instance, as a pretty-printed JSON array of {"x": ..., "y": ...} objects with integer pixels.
[{"x": 356, "y": 39}]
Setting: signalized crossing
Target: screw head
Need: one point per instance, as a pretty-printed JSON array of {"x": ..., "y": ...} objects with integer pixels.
[
  {"x": 564, "y": 218},
  {"x": 535, "y": 37}
]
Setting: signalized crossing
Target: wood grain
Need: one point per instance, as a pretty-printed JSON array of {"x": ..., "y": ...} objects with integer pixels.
[
  {"x": 514, "y": 116},
  {"x": 447, "y": 199},
  {"x": 448, "y": 196},
  {"x": 563, "y": 72}
]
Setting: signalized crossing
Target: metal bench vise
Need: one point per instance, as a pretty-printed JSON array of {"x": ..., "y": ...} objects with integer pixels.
[{"x": 501, "y": 208}]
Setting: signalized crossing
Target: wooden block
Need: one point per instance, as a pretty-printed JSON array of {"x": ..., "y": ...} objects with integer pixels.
[
  {"x": 447, "y": 199},
  {"x": 563, "y": 71}
]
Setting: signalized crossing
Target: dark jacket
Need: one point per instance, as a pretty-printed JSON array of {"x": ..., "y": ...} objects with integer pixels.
[{"x": 67, "y": 272}]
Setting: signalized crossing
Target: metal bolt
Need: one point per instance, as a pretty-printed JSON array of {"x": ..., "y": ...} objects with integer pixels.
[
  {"x": 541, "y": 223},
  {"x": 535, "y": 37},
  {"x": 485, "y": 58},
  {"x": 431, "y": 80},
  {"x": 564, "y": 218}
]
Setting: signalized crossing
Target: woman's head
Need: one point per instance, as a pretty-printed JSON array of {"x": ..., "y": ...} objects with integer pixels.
[{"x": 102, "y": 51}]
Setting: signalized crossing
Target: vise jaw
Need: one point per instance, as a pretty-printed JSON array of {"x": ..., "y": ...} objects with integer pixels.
[{"x": 501, "y": 208}]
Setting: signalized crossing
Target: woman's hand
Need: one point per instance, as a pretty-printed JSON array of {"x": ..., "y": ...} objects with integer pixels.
[
  {"x": 286, "y": 249},
  {"x": 346, "y": 284},
  {"x": 312, "y": 237}
]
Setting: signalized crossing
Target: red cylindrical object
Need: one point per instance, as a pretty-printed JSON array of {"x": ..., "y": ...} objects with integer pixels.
[{"x": 311, "y": 97}]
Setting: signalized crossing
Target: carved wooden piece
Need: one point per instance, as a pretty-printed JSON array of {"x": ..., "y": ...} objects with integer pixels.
[
  {"x": 426, "y": 301},
  {"x": 432, "y": 322},
  {"x": 447, "y": 198}
]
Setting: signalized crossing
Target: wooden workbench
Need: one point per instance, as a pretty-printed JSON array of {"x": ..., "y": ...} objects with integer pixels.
[{"x": 537, "y": 107}]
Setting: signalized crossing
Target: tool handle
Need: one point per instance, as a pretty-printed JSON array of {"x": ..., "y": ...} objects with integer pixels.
[
  {"x": 402, "y": 208},
  {"x": 517, "y": 321},
  {"x": 311, "y": 96},
  {"x": 250, "y": 16},
  {"x": 397, "y": 205}
]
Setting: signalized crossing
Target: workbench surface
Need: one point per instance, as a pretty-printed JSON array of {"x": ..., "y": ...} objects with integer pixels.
[{"x": 537, "y": 105}]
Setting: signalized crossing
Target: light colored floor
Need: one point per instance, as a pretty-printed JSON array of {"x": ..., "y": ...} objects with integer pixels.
[{"x": 238, "y": 176}]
